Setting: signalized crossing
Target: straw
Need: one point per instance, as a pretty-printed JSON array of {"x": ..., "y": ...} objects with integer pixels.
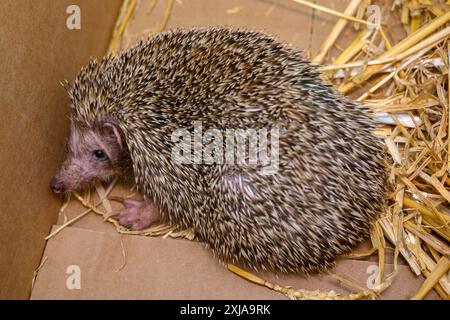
[
  {"x": 402, "y": 46},
  {"x": 340, "y": 25}
]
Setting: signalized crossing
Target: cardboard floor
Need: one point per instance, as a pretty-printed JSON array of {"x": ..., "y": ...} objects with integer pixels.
[
  {"x": 179, "y": 269},
  {"x": 158, "y": 268}
]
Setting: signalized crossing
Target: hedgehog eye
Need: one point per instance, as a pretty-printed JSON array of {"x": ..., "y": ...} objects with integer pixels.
[{"x": 100, "y": 154}]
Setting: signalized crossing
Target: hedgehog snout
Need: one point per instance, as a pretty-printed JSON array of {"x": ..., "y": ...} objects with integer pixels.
[{"x": 57, "y": 186}]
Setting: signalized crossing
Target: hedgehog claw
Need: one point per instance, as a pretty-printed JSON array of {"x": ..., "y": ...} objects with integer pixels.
[{"x": 136, "y": 214}]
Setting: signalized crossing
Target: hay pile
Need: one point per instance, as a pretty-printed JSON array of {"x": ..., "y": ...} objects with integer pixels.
[{"x": 406, "y": 84}]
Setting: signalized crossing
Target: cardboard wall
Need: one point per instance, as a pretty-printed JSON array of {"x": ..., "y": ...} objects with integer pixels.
[{"x": 37, "y": 52}]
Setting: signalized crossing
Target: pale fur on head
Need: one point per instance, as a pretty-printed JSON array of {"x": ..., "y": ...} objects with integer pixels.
[{"x": 82, "y": 165}]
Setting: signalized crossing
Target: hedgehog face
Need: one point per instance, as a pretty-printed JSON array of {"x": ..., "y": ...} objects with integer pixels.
[{"x": 93, "y": 154}]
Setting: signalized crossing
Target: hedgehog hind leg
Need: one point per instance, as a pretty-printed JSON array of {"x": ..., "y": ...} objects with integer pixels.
[{"x": 137, "y": 214}]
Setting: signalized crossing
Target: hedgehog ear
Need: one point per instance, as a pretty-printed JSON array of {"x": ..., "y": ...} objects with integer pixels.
[{"x": 112, "y": 131}]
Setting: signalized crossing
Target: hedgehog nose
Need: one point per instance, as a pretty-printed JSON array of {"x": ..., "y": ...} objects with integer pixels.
[{"x": 56, "y": 186}]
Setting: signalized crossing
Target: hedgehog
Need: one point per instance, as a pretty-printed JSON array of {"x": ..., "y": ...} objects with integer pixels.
[{"x": 321, "y": 198}]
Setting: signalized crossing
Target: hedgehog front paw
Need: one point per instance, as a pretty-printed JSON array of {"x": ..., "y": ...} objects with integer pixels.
[{"x": 136, "y": 214}]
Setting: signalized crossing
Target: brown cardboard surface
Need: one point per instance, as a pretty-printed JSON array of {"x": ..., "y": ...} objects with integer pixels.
[
  {"x": 37, "y": 52},
  {"x": 174, "y": 269},
  {"x": 283, "y": 18}
]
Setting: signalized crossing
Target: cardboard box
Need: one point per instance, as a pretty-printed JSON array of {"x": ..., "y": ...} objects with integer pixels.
[{"x": 39, "y": 52}]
